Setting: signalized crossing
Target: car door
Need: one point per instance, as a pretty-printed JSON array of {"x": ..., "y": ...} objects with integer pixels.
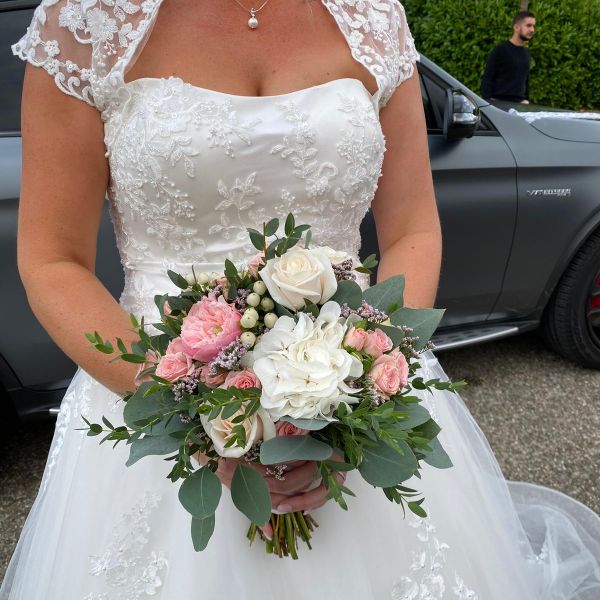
[{"x": 476, "y": 192}]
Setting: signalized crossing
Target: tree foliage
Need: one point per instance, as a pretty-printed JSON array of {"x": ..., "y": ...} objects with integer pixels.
[{"x": 459, "y": 35}]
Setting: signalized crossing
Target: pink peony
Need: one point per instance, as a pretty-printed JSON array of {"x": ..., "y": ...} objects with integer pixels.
[
  {"x": 152, "y": 359},
  {"x": 254, "y": 263},
  {"x": 175, "y": 364},
  {"x": 242, "y": 379},
  {"x": 355, "y": 338},
  {"x": 212, "y": 381},
  {"x": 389, "y": 373},
  {"x": 377, "y": 343},
  {"x": 285, "y": 428},
  {"x": 208, "y": 328}
]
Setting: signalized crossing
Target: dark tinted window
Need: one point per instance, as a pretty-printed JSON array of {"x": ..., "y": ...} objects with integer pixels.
[{"x": 13, "y": 24}]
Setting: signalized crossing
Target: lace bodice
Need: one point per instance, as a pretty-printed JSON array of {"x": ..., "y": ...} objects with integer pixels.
[{"x": 192, "y": 168}]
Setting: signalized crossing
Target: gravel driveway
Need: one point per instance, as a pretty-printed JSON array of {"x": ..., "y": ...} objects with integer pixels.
[{"x": 541, "y": 415}]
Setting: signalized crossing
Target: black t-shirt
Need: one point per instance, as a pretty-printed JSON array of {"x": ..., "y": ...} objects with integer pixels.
[{"x": 506, "y": 75}]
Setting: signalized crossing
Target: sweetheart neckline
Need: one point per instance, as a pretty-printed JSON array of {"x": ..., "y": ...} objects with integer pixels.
[{"x": 244, "y": 97}]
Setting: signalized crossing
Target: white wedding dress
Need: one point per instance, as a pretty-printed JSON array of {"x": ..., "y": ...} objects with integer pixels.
[{"x": 191, "y": 168}]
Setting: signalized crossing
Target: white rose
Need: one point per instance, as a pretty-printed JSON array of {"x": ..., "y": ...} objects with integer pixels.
[
  {"x": 258, "y": 427},
  {"x": 299, "y": 274},
  {"x": 302, "y": 366},
  {"x": 336, "y": 257}
]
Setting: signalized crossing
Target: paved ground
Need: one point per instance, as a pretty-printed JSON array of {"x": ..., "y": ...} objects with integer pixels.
[{"x": 541, "y": 415}]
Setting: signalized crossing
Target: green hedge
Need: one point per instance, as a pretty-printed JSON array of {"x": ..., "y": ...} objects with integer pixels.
[{"x": 459, "y": 35}]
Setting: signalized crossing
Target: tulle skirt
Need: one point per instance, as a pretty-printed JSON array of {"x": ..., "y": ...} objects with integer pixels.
[{"x": 99, "y": 530}]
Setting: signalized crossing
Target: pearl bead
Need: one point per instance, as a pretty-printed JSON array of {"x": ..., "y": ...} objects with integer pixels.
[{"x": 253, "y": 22}]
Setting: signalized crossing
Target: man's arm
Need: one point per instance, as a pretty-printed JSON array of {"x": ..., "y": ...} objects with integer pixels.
[{"x": 489, "y": 74}]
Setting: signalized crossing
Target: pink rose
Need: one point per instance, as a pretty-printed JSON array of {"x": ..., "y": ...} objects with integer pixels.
[
  {"x": 208, "y": 328},
  {"x": 166, "y": 308},
  {"x": 212, "y": 381},
  {"x": 402, "y": 366},
  {"x": 377, "y": 343},
  {"x": 355, "y": 338},
  {"x": 256, "y": 261},
  {"x": 285, "y": 428},
  {"x": 152, "y": 359},
  {"x": 175, "y": 364},
  {"x": 242, "y": 379},
  {"x": 388, "y": 374}
]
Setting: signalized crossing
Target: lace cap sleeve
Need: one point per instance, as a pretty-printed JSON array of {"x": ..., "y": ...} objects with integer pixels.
[
  {"x": 379, "y": 38},
  {"x": 79, "y": 42}
]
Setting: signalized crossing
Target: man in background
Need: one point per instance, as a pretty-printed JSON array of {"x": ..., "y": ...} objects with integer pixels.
[{"x": 506, "y": 76}]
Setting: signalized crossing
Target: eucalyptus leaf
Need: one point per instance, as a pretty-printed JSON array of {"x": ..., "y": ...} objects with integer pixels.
[
  {"x": 250, "y": 494},
  {"x": 386, "y": 294},
  {"x": 416, "y": 415},
  {"x": 200, "y": 493},
  {"x": 293, "y": 447},
  {"x": 202, "y": 530},
  {"x": 382, "y": 466},
  {"x": 348, "y": 292},
  {"x": 438, "y": 457},
  {"x": 424, "y": 322},
  {"x": 139, "y": 407},
  {"x": 152, "y": 445},
  {"x": 308, "y": 424}
]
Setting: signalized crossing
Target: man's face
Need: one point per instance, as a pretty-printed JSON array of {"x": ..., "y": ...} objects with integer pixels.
[{"x": 526, "y": 29}]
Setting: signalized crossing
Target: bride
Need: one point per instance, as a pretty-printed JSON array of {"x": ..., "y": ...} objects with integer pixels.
[{"x": 202, "y": 119}]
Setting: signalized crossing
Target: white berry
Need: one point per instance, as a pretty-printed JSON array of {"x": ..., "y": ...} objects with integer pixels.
[
  {"x": 248, "y": 321},
  {"x": 270, "y": 320},
  {"x": 267, "y": 304},
  {"x": 190, "y": 278},
  {"x": 260, "y": 288},
  {"x": 253, "y": 299},
  {"x": 203, "y": 278},
  {"x": 248, "y": 339},
  {"x": 251, "y": 311}
]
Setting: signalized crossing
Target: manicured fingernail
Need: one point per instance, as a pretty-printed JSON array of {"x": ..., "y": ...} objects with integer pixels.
[{"x": 284, "y": 508}]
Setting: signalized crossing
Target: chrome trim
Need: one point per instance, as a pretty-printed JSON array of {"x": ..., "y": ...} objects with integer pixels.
[{"x": 467, "y": 339}]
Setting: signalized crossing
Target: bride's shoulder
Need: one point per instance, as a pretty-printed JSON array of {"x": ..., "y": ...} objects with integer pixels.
[
  {"x": 380, "y": 37},
  {"x": 79, "y": 42}
]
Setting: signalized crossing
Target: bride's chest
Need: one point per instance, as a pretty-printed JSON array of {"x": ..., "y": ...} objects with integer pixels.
[{"x": 320, "y": 139}]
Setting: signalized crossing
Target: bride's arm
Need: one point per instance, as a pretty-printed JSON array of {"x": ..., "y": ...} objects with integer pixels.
[
  {"x": 404, "y": 207},
  {"x": 63, "y": 185}
]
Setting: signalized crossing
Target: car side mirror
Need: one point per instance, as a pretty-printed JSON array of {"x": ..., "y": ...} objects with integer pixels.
[{"x": 461, "y": 117}]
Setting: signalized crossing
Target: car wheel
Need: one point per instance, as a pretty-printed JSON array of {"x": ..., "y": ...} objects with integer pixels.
[{"x": 571, "y": 321}]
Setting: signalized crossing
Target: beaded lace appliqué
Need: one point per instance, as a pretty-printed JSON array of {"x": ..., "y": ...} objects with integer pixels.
[
  {"x": 127, "y": 566},
  {"x": 427, "y": 580}
]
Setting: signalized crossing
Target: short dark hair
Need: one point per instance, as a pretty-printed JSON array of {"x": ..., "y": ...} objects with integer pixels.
[{"x": 524, "y": 14}]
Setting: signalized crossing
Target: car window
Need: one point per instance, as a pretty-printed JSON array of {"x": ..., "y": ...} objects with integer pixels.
[
  {"x": 427, "y": 106},
  {"x": 13, "y": 24}
]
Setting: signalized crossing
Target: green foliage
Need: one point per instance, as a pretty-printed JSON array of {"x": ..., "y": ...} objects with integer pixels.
[
  {"x": 250, "y": 494},
  {"x": 459, "y": 35}
]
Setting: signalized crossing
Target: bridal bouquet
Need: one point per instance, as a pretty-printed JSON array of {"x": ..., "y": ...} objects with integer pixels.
[{"x": 282, "y": 359}]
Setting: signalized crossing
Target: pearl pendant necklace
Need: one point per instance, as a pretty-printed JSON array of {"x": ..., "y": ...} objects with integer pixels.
[{"x": 252, "y": 21}]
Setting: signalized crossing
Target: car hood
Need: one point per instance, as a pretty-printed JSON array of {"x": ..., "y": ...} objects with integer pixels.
[{"x": 567, "y": 126}]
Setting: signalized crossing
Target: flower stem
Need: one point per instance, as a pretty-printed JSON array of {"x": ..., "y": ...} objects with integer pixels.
[{"x": 287, "y": 528}]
